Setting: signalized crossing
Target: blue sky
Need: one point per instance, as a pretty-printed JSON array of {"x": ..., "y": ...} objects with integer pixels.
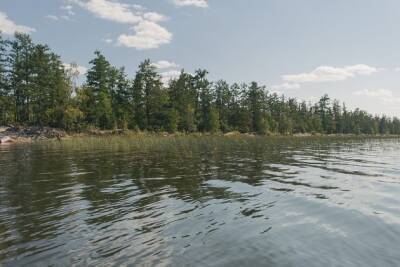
[{"x": 349, "y": 49}]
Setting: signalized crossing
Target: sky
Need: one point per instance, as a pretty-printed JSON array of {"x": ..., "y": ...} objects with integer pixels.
[{"x": 348, "y": 49}]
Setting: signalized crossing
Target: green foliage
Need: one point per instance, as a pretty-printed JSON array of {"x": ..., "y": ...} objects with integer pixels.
[
  {"x": 36, "y": 89},
  {"x": 73, "y": 119},
  {"x": 99, "y": 84},
  {"x": 172, "y": 120},
  {"x": 183, "y": 98}
]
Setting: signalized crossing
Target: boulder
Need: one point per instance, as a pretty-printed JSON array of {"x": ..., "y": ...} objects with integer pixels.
[{"x": 5, "y": 139}]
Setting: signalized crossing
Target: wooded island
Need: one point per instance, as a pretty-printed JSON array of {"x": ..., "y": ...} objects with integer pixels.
[{"x": 36, "y": 89}]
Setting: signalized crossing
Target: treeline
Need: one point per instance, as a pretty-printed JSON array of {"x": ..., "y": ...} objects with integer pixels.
[{"x": 36, "y": 89}]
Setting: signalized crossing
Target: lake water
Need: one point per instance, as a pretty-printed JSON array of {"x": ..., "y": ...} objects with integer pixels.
[{"x": 285, "y": 202}]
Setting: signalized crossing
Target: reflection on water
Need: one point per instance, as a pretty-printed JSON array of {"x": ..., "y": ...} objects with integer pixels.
[{"x": 282, "y": 203}]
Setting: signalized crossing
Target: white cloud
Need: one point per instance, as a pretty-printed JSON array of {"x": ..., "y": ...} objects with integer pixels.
[
  {"x": 330, "y": 74},
  {"x": 310, "y": 99},
  {"x": 167, "y": 76},
  {"x": 397, "y": 69},
  {"x": 154, "y": 17},
  {"x": 108, "y": 40},
  {"x": 68, "y": 9},
  {"x": 76, "y": 69},
  {"x": 52, "y": 17},
  {"x": 286, "y": 86},
  {"x": 119, "y": 12},
  {"x": 148, "y": 33},
  {"x": 71, "y": 13},
  {"x": 110, "y": 10},
  {"x": 9, "y": 27},
  {"x": 196, "y": 3},
  {"x": 138, "y": 7},
  {"x": 391, "y": 100},
  {"x": 65, "y": 18},
  {"x": 163, "y": 64},
  {"x": 383, "y": 95},
  {"x": 374, "y": 93},
  {"x": 56, "y": 18},
  {"x": 170, "y": 70}
]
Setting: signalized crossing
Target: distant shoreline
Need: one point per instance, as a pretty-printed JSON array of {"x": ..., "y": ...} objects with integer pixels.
[
  {"x": 22, "y": 134},
  {"x": 111, "y": 98}
]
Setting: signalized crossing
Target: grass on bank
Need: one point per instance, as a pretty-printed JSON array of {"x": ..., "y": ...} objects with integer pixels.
[{"x": 188, "y": 143}]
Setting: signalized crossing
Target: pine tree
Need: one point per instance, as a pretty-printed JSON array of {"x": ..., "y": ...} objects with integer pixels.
[
  {"x": 99, "y": 102},
  {"x": 121, "y": 98},
  {"x": 224, "y": 104},
  {"x": 21, "y": 75},
  {"x": 149, "y": 98},
  {"x": 183, "y": 102},
  {"x": 35, "y": 89},
  {"x": 207, "y": 115},
  {"x": 256, "y": 105},
  {"x": 5, "y": 97}
]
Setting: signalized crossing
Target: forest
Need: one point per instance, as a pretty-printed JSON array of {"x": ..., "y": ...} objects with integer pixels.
[{"x": 36, "y": 89}]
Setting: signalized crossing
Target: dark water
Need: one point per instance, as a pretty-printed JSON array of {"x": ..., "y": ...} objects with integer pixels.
[{"x": 281, "y": 203}]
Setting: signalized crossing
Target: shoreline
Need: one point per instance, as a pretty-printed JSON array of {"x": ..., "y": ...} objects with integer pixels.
[
  {"x": 18, "y": 135},
  {"x": 21, "y": 134}
]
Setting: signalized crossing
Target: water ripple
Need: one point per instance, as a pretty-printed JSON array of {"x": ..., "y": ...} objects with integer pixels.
[{"x": 281, "y": 203}]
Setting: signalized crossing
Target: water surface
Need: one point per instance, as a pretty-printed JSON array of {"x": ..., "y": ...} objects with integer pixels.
[{"x": 258, "y": 202}]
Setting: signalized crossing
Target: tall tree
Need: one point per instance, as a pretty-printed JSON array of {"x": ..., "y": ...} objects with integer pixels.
[
  {"x": 98, "y": 81},
  {"x": 121, "y": 98},
  {"x": 208, "y": 116},
  {"x": 149, "y": 98},
  {"x": 35, "y": 89},
  {"x": 5, "y": 97},
  {"x": 257, "y": 107},
  {"x": 224, "y": 102},
  {"x": 183, "y": 98},
  {"x": 21, "y": 75}
]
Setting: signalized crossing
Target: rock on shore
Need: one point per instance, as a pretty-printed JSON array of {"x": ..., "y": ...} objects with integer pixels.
[
  {"x": 5, "y": 139},
  {"x": 19, "y": 134}
]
